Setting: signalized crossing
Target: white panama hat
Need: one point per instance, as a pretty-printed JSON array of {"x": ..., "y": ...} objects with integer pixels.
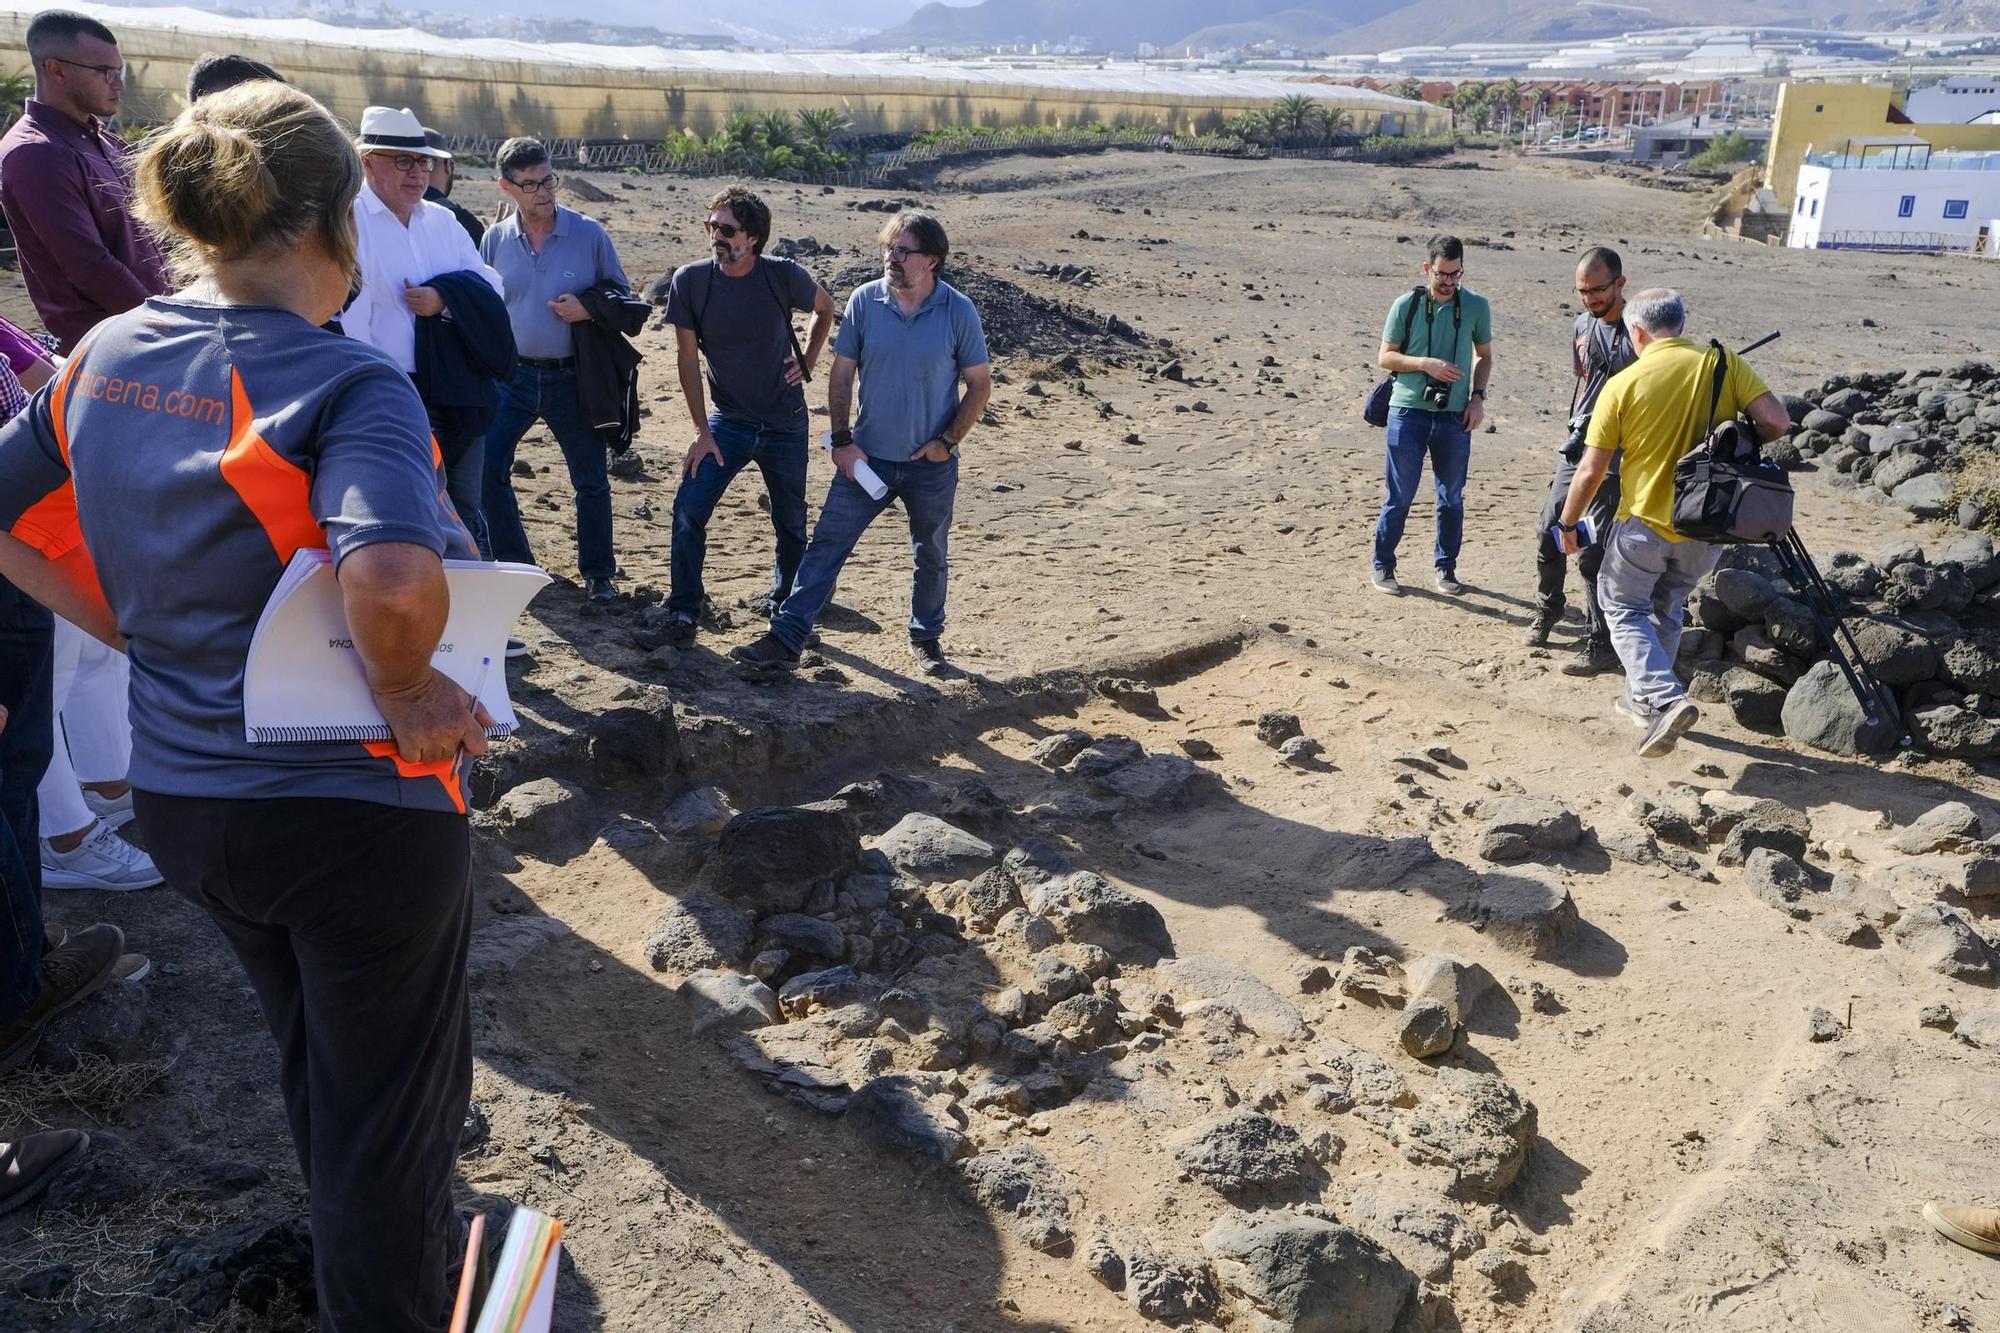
[{"x": 388, "y": 129}]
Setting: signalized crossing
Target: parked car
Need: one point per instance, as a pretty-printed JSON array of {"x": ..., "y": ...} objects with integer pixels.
[{"x": 1590, "y": 134}]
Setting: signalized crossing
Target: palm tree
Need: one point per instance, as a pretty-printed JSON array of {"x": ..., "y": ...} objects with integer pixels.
[
  {"x": 778, "y": 128},
  {"x": 1329, "y": 120},
  {"x": 1250, "y": 126},
  {"x": 1508, "y": 91},
  {"x": 1409, "y": 90},
  {"x": 1292, "y": 117},
  {"x": 15, "y": 89},
  {"x": 822, "y": 126}
]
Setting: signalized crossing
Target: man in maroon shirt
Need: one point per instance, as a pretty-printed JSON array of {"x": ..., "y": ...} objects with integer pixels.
[{"x": 64, "y": 182}]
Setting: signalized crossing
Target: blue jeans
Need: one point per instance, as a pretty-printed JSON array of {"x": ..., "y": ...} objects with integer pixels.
[
  {"x": 780, "y": 454},
  {"x": 927, "y": 491},
  {"x": 26, "y": 656},
  {"x": 1643, "y": 587},
  {"x": 1413, "y": 434},
  {"x": 465, "y": 482},
  {"x": 547, "y": 395}
]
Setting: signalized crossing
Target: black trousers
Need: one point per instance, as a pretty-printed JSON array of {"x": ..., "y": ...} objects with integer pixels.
[
  {"x": 26, "y": 648},
  {"x": 1551, "y": 563},
  {"x": 352, "y": 920}
]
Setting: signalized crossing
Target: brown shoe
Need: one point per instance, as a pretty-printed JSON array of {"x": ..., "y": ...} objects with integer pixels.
[
  {"x": 1974, "y": 1228},
  {"x": 29, "y": 1165},
  {"x": 69, "y": 975}
]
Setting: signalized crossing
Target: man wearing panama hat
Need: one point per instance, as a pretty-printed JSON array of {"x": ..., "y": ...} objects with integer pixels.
[{"x": 406, "y": 242}]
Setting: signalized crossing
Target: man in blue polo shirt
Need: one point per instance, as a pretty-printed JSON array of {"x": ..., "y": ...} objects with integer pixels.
[
  {"x": 546, "y": 255},
  {"x": 917, "y": 338}
]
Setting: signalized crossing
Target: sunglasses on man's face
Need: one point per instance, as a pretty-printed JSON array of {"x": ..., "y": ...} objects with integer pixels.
[{"x": 726, "y": 230}]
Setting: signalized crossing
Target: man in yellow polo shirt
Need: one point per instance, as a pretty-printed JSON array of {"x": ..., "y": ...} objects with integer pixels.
[{"x": 1655, "y": 412}]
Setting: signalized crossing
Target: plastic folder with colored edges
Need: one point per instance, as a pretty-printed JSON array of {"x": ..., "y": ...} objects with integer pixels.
[{"x": 522, "y": 1297}]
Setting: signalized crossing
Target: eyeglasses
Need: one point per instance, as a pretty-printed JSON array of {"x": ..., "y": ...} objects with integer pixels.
[
  {"x": 543, "y": 184},
  {"x": 1598, "y": 290},
  {"x": 405, "y": 162},
  {"x": 111, "y": 73},
  {"x": 1448, "y": 275},
  {"x": 726, "y": 230},
  {"x": 900, "y": 253}
]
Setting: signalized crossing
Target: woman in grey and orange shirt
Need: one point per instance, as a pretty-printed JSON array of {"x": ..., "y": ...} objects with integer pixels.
[{"x": 152, "y": 494}]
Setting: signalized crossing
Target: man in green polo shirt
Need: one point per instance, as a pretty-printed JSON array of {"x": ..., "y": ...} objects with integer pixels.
[
  {"x": 1439, "y": 343},
  {"x": 1655, "y": 411}
]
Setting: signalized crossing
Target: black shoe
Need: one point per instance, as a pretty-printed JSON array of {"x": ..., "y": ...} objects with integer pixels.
[
  {"x": 680, "y": 632},
  {"x": 1538, "y": 629},
  {"x": 31, "y": 1163},
  {"x": 600, "y": 590},
  {"x": 1593, "y": 658},
  {"x": 767, "y": 654}
]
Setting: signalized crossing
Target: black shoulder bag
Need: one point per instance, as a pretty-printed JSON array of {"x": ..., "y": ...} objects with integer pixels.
[
  {"x": 1725, "y": 490},
  {"x": 1376, "y": 410}
]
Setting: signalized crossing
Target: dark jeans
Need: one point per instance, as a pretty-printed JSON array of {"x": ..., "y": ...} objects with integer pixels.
[
  {"x": 1413, "y": 436},
  {"x": 465, "y": 482},
  {"x": 781, "y": 456},
  {"x": 1550, "y": 562},
  {"x": 352, "y": 921},
  {"x": 26, "y": 653},
  {"x": 546, "y": 395},
  {"x": 927, "y": 491}
]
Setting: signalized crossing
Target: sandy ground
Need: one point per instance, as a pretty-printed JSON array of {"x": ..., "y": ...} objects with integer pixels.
[{"x": 1700, "y": 1165}]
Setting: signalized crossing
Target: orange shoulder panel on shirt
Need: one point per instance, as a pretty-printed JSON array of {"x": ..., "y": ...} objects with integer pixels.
[
  {"x": 278, "y": 492},
  {"x": 50, "y": 525},
  {"x": 444, "y": 770}
]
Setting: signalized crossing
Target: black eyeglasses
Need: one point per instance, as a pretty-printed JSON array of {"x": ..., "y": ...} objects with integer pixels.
[
  {"x": 544, "y": 183},
  {"x": 900, "y": 253},
  {"x": 1599, "y": 289},
  {"x": 726, "y": 230},
  {"x": 406, "y": 162},
  {"x": 1448, "y": 275},
  {"x": 111, "y": 73}
]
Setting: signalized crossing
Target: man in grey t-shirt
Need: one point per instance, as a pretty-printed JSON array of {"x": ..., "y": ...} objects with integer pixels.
[
  {"x": 1600, "y": 347},
  {"x": 736, "y": 308}
]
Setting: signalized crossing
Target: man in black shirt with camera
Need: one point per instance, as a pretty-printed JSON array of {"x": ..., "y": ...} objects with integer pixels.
[{"x": 1600, "y": 347}]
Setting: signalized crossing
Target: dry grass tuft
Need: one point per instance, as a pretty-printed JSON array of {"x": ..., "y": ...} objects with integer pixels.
[
  {"x": 98, "y": 1088},
  {"x": 109, "y": 1252}
]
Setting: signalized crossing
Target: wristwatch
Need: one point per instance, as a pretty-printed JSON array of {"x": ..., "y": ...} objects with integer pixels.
[
  {"x": 840, "y": 439},
  {"x": 1479, "y": 393},
  {"x": 950, "y": 445}
]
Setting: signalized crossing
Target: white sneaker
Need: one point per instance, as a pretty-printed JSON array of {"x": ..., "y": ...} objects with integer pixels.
[
  {"x": 1448, "y": 585},
  {"x": 1382, "y": 582},
  {"x": 117, "y": 813},
  {"x": 1669, "y": 725},
  {"x": 101, "y": 861}
]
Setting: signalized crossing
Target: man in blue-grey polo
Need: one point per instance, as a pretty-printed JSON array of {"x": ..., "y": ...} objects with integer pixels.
[
  {"x": 547, "y": 255},
  {"x": 1438, "y": 341},
  {"x": 915, "y": 339}
]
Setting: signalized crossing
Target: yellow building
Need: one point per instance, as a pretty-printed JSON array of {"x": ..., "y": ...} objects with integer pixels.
[{"x": 1822, "y": 116}]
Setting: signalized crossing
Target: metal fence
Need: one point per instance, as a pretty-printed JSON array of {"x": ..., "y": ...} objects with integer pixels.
[{"x": 1908, "y": 242}]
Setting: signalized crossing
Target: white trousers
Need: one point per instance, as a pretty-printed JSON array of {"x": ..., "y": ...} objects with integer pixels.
[{"x": 93, "y": 727}]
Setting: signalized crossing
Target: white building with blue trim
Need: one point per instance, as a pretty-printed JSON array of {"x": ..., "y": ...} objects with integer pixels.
[{"x": 1896, "y": 194}]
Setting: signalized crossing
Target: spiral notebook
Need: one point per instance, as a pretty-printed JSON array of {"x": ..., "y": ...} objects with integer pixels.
[{"x": 303, "y": 681}]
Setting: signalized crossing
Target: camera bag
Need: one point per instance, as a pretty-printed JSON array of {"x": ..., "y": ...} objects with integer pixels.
[
  {"x": 1725, "y": 490},
  {"x": 1376, "y": 410}
]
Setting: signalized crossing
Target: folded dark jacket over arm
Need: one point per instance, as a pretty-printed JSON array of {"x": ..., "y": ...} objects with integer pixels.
[{"x": 607, "y": 365}]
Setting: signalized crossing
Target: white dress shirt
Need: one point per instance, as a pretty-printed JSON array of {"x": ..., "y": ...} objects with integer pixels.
[{"x": 392, "y": 254}]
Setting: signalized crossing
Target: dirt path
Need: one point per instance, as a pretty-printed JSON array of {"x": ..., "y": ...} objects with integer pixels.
[{"x": 1700, "y": 1164}]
